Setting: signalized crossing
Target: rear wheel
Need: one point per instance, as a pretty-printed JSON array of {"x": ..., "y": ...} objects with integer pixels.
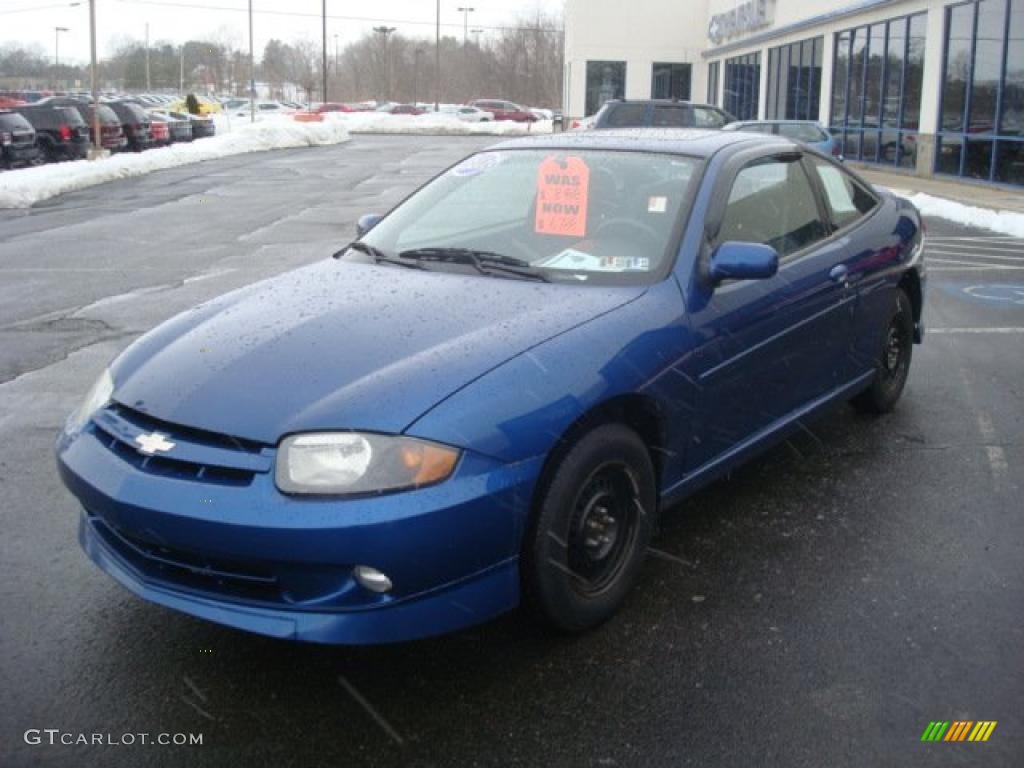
[
  {"x": 591, "y": 528},
  {"x": 893, "y": 362}
]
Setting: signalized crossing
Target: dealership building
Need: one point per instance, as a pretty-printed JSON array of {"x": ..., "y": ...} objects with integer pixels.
[{"x": 928, "y": 86}]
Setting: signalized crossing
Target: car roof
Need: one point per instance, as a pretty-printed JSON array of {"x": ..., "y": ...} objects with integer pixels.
[
  {"x": 662, "y": 101},
  {"x": 678, "y": 141},
  {"x": 815, "y": 123}
]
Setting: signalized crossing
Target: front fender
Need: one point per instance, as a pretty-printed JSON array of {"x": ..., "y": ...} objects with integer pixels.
[{"x": 519, "y": 410}]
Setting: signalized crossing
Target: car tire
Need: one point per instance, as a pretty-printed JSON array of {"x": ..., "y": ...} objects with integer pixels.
[
  {"x": 893, "y": 363},
  {"x": 590, "y": 530}
]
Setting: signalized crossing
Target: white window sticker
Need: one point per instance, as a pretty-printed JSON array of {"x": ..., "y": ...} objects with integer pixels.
[{"x": 657, "y": 204}]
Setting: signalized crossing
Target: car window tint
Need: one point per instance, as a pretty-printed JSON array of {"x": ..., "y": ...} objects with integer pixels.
[
  {"x": 804, "y": 132},
  {"x": 772, "y": 202},
  {"x": 626, "y": 115},
  {"x": 847, "y": 200},
  {"x": 672, "y": 117},
  {"x": 757, "y": 128},
  {"x": 707, "y": 118}
]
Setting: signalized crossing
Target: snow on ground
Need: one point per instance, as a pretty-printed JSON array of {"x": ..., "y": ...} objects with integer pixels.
[
  {"x": 1004, "y": 222},
  {"x": 25, "y": 187},
  {"x": 380, "y": 122}
]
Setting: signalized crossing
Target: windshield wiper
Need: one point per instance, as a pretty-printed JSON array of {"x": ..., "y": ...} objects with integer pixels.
[
  {"x": 485, "y": 262},
  {"x": 379, "y": 256}
]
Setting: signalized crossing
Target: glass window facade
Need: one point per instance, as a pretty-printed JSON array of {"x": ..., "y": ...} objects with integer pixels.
[
  {"x": 981, "y": 128},
  {"x": 670, "y": 81},
  {"x": 713, "y": 83},
  {"x": 876, "y": 90},
  {"x": 606, "y": 80},
  {"x": 794, "y": 81},
  {"x": 742, "y": 86}
]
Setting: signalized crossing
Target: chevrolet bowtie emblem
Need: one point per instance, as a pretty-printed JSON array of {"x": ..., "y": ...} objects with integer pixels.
[{"x": 153, "y": 443}]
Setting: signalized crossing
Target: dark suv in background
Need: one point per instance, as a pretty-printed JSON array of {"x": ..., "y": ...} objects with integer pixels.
[
  {"x": 659, "y": 113},
  {"x": 111, "y": 132},
  {"x": 61, "y": 132},
  {"x": 135, "y": 122},
  {"x": 17, "y": 141}
]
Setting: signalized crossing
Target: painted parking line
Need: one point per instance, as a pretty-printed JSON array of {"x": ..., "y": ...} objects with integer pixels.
[
  {"x": 1005, "y": 330},
  {"x": 975, "y": 254}
]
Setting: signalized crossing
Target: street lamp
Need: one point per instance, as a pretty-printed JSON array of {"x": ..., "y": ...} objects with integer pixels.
[
  {"x": 56, "y": 53},
  {"x": 384, "y": 32},
  {"x": 465, "y": 11},
  {"x": 323, "y": 52}
]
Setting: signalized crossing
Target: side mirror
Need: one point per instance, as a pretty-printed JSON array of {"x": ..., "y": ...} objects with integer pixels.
[
  {"x": 743, "y": 261},
  {"x": 366, "y": 223}
]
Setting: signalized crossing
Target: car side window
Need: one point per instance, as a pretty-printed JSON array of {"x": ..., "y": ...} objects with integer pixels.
[
  {"x": 626, "y": 115},
  {"x": 672, "y": 117},
  {"x": 846, "y": 200},
  {"x": 772, "y": 202},
  {"x": 707, "y": 118}
]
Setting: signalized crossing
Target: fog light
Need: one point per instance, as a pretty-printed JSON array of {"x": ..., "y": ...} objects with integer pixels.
[{"x": 372, "y": 579}]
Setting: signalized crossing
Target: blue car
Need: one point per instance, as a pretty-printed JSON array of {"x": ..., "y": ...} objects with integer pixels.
[
  {"x": 489, "y": 397},
  {"x": 809, "y": 132}
]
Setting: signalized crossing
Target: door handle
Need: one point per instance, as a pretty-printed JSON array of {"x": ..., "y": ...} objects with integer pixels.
[{"x": 840, "y": 274}]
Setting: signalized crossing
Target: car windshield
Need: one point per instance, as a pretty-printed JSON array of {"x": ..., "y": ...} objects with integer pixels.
[{"x": 576, "y": 215}]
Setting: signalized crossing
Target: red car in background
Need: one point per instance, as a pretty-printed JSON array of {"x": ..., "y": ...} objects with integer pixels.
[
  {"x": 332, "y": 107},
  {"x": 161, "y": 131},
  {"x": 505, "y": 110},
  {"x": 401, "y": 109}
]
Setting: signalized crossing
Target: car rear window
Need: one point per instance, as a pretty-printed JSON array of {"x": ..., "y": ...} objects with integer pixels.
[
  {"x": 804, "y": 132},
  {"x": 703, "y": 117},
  {"x": 625, "y": 115},
  {"x": 11, "y": 121},
  {"x": 675, "y": 116}
]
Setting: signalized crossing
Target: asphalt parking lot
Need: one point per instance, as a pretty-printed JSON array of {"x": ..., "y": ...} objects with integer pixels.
[{"x": 818, "y": 608}]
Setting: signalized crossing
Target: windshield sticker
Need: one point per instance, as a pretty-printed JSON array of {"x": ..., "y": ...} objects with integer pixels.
[
  {"x": 563, "y": 189},
  {"x": 657, "y": 205},
  {"x": 478, "y": 164},
  {"x": 578, "y": 261}
]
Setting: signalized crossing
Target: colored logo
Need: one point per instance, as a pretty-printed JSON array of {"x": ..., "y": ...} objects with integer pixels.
[{"x": 959, "y": 730}]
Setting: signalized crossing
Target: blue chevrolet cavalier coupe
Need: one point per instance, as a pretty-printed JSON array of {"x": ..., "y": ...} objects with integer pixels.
[{"x": 490, "y": 396}]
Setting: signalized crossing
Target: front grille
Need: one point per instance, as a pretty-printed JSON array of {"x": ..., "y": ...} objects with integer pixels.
[{"x": 201, "y": 456}]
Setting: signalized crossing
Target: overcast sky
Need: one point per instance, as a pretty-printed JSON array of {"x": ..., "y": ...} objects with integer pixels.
[{"x": 33, "y": 21}]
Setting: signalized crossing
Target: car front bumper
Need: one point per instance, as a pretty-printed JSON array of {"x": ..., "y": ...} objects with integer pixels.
[{"x": 252, "y": 558}]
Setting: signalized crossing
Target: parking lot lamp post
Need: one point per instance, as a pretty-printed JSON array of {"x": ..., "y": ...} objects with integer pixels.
[
  {"x": 252, "y": 72},
  {"x": 437, "y": 60},
  {"x": 323, "y": 52},
  {"x": 384, "y": 32},
  {"x": 465, "y": 11},
  {"x": 56, "y": 54}
]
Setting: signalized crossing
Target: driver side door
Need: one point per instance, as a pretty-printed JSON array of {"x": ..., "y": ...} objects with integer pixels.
[{"x": 772, "y": 346}]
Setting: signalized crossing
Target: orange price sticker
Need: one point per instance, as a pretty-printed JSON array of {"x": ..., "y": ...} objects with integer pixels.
[{"x": 563, "y": 188}]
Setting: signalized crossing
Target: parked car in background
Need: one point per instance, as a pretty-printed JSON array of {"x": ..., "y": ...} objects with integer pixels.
[
  {"x": 543, "y": 114},
  {"x": 401, "y": 109},
  {"x": 202, "y": 127},
  {"x": 111, "y": 132},
  {"x": 659, "y": 113},
  {"x": 505, "y": 110},
  {"x": 61, "y": 132},
  {"x": 265, "y": 108},
  {"x": 179, "y": 126},
  {"x": 809, "y": 132},
  {"x": 6, "y": 102},
  {"x": 161, "y": 131},
  {"x": 467, "y": 114},
  {"x": 332, "y": 107},
  {"x": 18, "y": 145},
  {"x": 138, "y": 128}
]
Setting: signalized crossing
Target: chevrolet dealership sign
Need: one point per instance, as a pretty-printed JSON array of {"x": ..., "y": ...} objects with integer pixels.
[{"x": 745, "y": 17}]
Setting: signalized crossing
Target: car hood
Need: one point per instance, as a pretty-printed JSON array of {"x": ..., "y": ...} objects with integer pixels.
[{"x": 342, "y": 345}]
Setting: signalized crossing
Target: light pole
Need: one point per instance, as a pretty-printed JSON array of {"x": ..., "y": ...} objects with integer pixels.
[
  {"x": 323, "y": 64},
  {"x": 465, "y": 11},
  {"x": 97, "y": 151},
  {"x": 476, "y": 33},
  {"x": 437, "y": 60},
  {"x": 252, "y": 73},
  {"x": 56, "y": 54},
  {"x": 384, "y": 32},
  {"x": 416, "y": 77}
]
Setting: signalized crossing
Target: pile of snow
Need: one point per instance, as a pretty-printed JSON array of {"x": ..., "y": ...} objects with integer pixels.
[
  {"x": 23, "y": 188},
  {"x": 1003, "y": 222},
  {"x": 431, "y": 124}
]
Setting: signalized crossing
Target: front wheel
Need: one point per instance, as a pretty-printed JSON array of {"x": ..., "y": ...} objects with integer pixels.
[
  {"x": 588, "y": 539},
  {"x": 892, "y": 365}
]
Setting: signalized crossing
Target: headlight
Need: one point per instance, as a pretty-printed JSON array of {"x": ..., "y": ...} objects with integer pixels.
[
  {"x": 98, "y": 396},
  {"x": 344, "y": 463}
]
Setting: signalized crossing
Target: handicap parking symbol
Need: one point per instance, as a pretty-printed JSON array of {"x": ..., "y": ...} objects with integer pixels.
[{"x": 997, "y": 293}]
